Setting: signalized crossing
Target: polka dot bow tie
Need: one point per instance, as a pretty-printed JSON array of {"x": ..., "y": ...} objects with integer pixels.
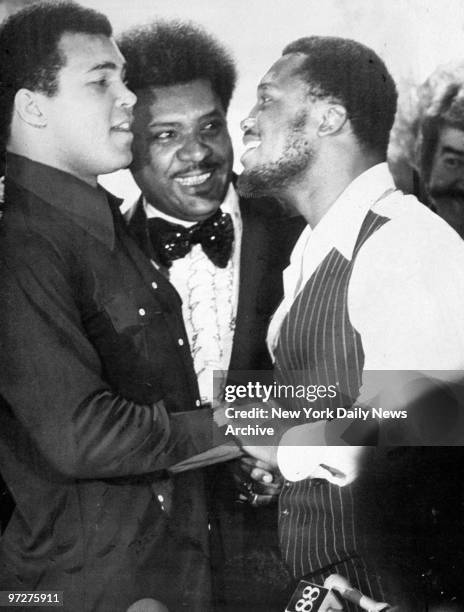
[{"x": 171, "y": 241}]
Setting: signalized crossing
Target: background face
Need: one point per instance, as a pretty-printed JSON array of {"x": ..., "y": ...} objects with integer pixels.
[
  {"x": 89, "y": 117},
  {"x": 446, "y": 182},
  {"x": 447, "y": 172},
  {"x": 182, "y": 150}
]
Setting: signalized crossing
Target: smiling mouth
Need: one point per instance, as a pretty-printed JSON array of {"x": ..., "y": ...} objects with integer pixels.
[
  {"x": 195, "y": 180},
  {"x": 250, "y": 145},
  {"x": 251, "y": 140},
  {"x": 122, "y": 127}
]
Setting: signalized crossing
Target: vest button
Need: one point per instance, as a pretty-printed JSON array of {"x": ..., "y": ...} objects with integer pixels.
[
  {"x": 142, "y": 312},
  {"x": 180, "y": 342}
]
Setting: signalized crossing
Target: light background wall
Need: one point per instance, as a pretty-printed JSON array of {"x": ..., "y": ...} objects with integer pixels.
[{"x": 412, "y": 36}]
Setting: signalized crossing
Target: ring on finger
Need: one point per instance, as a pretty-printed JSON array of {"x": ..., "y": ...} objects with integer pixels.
[{"x": 254, "y": 499}]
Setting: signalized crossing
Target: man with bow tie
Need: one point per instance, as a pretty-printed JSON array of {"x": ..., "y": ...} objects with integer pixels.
[{"x": 223, "y": 254}]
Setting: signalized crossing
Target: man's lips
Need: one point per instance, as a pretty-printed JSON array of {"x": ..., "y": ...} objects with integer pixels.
[
  {"x": 251, "y": 140},
  {"x": 194, "y": 179},
  {"x": 123, "y": 126},
  {"x": 251, "y": 143}
]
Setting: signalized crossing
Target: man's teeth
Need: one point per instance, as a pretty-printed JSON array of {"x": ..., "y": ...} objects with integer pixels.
[
  {"x": 190, "y": 181},
  {"x": 254, "y": 144},
  {"x": 123, "y": 126}
]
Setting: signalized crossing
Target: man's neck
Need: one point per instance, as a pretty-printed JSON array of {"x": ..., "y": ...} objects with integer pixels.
[{"x": 323, "y": 184}]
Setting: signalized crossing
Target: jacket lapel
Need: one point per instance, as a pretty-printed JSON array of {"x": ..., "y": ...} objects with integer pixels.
[{"x": 254, "y": 262}]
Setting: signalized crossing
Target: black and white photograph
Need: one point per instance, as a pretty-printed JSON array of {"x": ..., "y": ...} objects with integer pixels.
[{"x": 232, "y": 305}]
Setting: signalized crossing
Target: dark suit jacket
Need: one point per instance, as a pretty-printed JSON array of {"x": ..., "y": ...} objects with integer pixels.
[{"x": 99, "y": 397}]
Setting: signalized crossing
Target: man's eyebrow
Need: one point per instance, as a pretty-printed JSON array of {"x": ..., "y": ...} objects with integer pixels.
[
  {"x": 448, "y": 149},
  {"x": 106, "y": 66},
  {"x": 174, "y": 120}
]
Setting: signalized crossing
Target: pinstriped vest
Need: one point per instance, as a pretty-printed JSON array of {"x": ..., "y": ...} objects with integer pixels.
[{"x": 318, "y": 345}]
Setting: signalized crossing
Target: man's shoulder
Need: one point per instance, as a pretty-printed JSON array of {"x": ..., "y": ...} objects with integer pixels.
[
  {"x": 31, "y": 230},
  {"x": 413, "y": 238},
  {"x": 410, "y": 218}
]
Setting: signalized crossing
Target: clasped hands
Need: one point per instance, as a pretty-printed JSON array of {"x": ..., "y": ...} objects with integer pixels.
[
  {"x": 257, "y": 482},
  {"x": 256, "y": 475},
  {"x": 305, "y": 451}
]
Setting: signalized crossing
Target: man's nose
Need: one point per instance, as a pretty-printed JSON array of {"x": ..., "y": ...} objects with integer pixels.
[
  {"x": 249, "y": 123},
  {"x": 193, "y": 149},
  {"x": 127, "y": 98}
]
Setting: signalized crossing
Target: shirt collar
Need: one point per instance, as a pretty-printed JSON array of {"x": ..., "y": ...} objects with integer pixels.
[
  {"x": 89, "y": 207},
  {"x": 341, "y": 224}
]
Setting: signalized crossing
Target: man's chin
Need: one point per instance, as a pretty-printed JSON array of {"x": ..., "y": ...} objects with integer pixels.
[
  {"x": 252, "y": 184},
  {"x": 199, "y": 209}
]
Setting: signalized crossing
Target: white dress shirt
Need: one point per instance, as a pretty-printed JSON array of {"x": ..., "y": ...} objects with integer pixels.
[
  {"x": 405, "y": 299},
  {"x": 209, "y": 301}
]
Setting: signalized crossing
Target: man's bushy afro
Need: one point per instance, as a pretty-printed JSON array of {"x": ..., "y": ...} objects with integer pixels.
[{"x": 166, "y": 53}]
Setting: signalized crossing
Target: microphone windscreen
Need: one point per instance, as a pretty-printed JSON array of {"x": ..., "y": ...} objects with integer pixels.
[
  {"x": 147, "y": 605},
  {"x": 341, "y": 584}
]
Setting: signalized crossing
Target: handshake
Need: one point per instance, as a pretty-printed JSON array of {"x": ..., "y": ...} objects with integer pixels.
[{"x": 311, "y": 450}]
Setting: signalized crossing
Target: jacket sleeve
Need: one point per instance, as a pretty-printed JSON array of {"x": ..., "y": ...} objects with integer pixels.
[{"x": 52, "y": 378}]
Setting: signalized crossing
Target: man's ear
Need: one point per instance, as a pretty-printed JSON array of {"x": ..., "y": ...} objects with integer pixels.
[
  {"x": 333, "y": 120},
  {"x": 28, "y": 107}
]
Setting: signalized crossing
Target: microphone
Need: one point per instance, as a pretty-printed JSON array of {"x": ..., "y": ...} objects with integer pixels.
[
  {"x": 309, "y": 597},
  {"x": 341, "y": 584},
  {"x": 147, "y": 605}
]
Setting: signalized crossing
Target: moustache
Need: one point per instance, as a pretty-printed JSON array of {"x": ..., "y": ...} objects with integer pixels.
[{"x": 200, "y": 167}]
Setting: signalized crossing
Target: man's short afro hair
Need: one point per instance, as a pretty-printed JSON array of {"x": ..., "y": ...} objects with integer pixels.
[
  {"x": 30, "y": 55},
  {"x": 356, "y": 77},
  {"x": 167, "y": 53}
]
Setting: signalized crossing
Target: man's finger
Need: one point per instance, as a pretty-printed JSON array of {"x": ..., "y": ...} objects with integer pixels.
[
  {"x": 261, "y": 475},
  {"x": 262, "y": 500}
]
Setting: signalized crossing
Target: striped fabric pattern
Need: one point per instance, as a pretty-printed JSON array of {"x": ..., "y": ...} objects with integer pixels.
[{"x": 319, "y": 346}]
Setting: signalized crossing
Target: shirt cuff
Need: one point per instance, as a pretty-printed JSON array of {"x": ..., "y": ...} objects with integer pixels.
[{"x": 302, "y": 454}]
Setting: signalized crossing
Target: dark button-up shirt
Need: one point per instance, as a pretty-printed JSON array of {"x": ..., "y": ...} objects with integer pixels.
[{"x": 99, "y": 397}]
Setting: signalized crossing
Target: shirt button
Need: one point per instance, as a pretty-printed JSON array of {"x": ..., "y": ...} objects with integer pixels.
[
  {"x": 154, "y": 285},
  {"x": 142, "y": 312},
  {"x": 287, "y": 484},
  {"x": 180, "y": 342},
  {"x": 197, "y": 403},
  {"x": 285, "y": 512}
]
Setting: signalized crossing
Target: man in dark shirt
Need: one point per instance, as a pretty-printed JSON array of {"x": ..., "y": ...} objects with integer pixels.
[{"x": 99, "y": 395}]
